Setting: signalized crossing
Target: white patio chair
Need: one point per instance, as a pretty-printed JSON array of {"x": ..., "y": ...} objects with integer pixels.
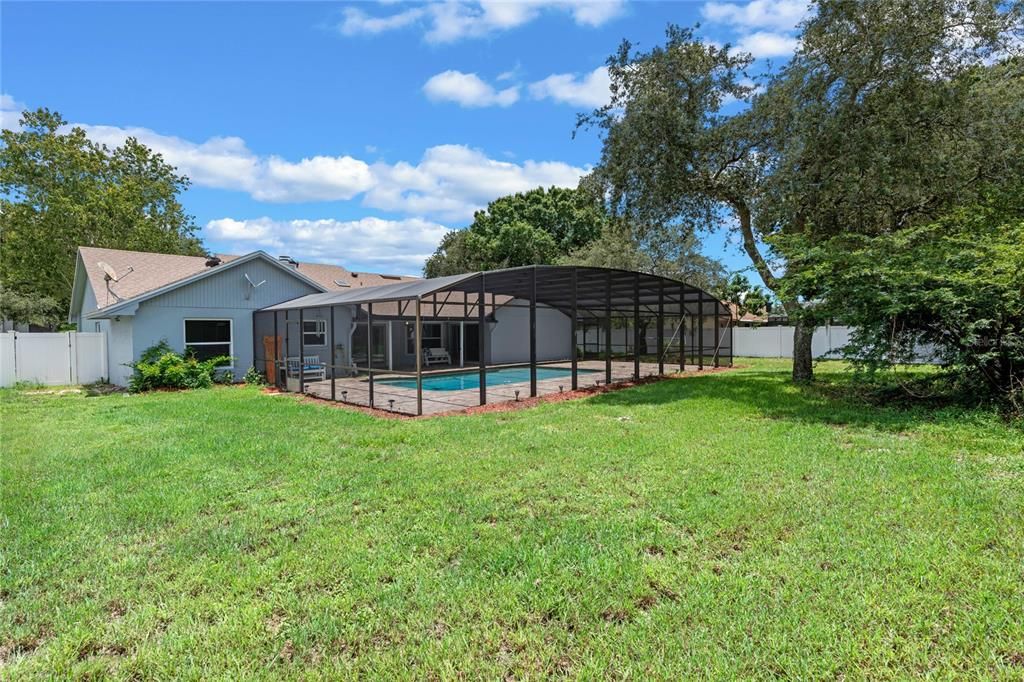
[{"x": 436, "y": 356}]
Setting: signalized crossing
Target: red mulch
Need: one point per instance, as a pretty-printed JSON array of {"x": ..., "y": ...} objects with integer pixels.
[{"x": 507, "y": 405}]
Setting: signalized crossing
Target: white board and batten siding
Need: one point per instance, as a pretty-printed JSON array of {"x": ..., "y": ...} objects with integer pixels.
[{"x": 58, "y": 359}]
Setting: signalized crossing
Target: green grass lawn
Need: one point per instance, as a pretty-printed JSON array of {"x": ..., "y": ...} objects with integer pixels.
[{"x": 728, "y": 525}]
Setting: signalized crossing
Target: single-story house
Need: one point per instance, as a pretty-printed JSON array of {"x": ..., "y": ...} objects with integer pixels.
[
  {"x": 193, "y": 303},
  {"x": 205, "y": 305}
]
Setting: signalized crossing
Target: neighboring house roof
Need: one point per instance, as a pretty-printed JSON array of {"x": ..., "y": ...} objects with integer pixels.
[{"x": 154, "y": 273}]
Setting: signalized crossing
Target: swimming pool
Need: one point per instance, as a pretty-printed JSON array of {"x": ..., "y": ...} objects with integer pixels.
[{"x": 495, "y": 377}]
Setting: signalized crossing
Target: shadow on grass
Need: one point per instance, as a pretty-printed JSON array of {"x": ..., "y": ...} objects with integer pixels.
[{"x": 770, "y": 393}]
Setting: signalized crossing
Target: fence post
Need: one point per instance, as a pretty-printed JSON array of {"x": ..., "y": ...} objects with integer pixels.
[{"x": 72, "y": 359}]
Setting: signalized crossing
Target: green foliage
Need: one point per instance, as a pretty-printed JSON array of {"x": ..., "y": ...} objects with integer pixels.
[
  {"x": 59, "y": 190},
  {"x": 29, "y": 308},
  {"x": 159, "y": 366},
  {"x": 254, "y": 377},
  {"x": 746, "y": 298},
  {"x": 955, "y": 284},
  {"x": 662, "y": 251},
  {"x": 870, "y": 127},
  {"x": 528, "y": 228}
]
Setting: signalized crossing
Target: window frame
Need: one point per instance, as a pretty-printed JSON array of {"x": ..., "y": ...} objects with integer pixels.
[
  {"x": 410, "y": 336},
  {"x": 230, "y": 342},
  {"x": 321, "y": 325}
]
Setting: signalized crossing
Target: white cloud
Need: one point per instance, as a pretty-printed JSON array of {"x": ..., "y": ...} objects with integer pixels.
[
  {"x": 468, "y": 89},
  {"x": 357, "y": 22},
  {"x": 10, "y": 112},
  {"x": 779, "y": 15},
  {"x": 449, "y": 182},
  {"x": 764, "y": 28},
  {"x": 763, "y": 44},
  {"x": 591, "y": 90},
  {"x": 227, "y": 163},
  {"x": 446, "y": 22},
  {"x": 375, "y": 244}
]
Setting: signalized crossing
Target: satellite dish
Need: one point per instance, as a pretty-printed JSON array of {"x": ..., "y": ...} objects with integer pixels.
[
  {"x": 111, "y": 273},
  {"x": 252, "y": 285}
]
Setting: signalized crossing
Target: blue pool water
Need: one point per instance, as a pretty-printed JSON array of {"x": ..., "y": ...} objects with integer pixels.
[{"x": 495, "y": 377}]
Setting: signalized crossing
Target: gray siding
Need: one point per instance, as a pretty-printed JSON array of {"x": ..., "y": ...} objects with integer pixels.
[
  {"x": 228, "y": 289},
  {"x": 510, "y": 337},
  {"x": 222, "y": 297}
]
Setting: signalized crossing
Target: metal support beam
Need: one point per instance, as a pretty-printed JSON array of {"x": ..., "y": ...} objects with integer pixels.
[
  {"x": 533, "y": 332},
  {"x": 636, "y": 327},
  {"x": 608, "y": 329},
  {"x": 419, "y": 359},
  {"x": 330, "y": 351},
  {"x": 482, "y": 333},
  {"x": 369, "y": 347},
  {"x": 682, "y": 329},
  {"x": 277, "y": 354},
  {"x": 700, "y": 330},
  {"x": 302, "y": 351},
  {"x": 661, "y": 327},
  {"x": 572, "y": 341}
]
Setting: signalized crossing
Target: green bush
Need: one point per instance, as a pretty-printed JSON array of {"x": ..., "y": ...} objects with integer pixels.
[
  {"x": 160, "y": 367},
  {"x": 254, "y": 377}
]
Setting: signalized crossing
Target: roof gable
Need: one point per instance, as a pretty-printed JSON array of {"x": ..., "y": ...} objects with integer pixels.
[
  {"x": 140, "y": 273},
  {"x": 129, "y": 304}
]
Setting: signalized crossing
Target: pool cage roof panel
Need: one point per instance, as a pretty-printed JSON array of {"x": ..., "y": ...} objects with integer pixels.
[{"x": 553, "y": 284}]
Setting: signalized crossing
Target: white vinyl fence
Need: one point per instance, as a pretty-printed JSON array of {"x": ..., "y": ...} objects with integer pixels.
[
  {"x": 777, "y": 342},
  {"x": 53, "y": 359}
]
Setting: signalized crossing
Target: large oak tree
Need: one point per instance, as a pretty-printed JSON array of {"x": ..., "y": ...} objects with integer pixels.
[
  {"x": 60, "y": 190},
  {"x": 869, "y": 125}
]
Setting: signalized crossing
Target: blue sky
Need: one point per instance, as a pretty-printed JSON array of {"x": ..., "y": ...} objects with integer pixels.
[{"x": 353, "y": 133}]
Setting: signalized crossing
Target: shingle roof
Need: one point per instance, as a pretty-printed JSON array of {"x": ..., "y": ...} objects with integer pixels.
[{"x": 155, "y": 270}]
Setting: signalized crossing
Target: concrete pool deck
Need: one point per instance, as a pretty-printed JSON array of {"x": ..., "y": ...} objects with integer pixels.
[{"x": 355, "y": 390}]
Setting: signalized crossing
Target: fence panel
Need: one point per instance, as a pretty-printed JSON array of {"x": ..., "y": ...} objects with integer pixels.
[
  {"x": 777, "y": 342},
  {"x": 7, "y": 375},
  {"x": 52, "y": 359}
]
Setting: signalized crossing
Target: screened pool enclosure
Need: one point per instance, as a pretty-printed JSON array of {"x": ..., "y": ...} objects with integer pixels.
[{"x": 455, "y": 342}]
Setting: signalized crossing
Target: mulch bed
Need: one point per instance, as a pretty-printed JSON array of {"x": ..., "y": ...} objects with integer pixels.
[{"x": 508, "y": 405}]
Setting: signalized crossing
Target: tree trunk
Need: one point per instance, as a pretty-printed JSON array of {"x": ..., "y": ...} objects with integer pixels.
[
  {"x": 803, "y": 364},
  {"x": 803, "y": 361}
]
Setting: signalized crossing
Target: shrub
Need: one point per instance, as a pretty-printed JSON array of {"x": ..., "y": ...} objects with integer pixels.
[
  {"x": 160, "y": 367},
  {"x": 254, "y": 377}
]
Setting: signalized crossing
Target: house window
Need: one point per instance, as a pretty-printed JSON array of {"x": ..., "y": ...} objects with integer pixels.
[
  {"x": 208, "y": 338},
  {"x": 314, "y": 332},
  {"x": 431, "y": 336}
]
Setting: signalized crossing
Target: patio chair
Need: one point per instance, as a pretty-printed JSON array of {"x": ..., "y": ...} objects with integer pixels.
[
  {"x": 311, "y": 368},
  {"x": 436, "y": 356}
]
